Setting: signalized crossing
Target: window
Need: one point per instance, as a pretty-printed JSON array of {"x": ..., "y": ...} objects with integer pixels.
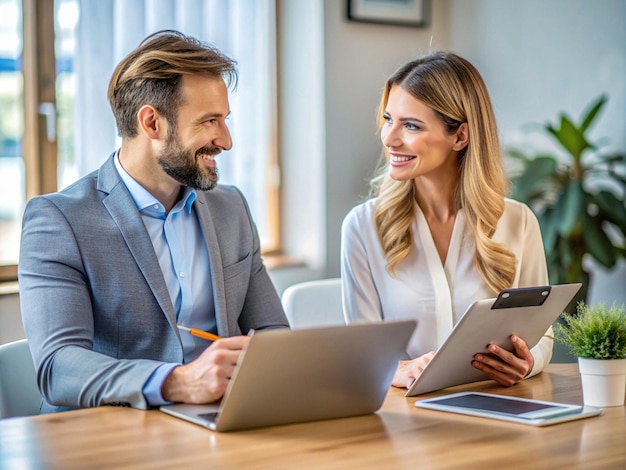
[
  {"x": 71, "y": 124},
  {"x": 12, "y": 190}
]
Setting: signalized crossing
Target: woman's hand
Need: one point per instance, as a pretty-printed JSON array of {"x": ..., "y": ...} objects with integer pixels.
[
  {"x": 408, "y": 371},
  {"x": 506, "y": 368}
]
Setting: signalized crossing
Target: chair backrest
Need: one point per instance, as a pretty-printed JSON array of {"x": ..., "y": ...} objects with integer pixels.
[
  {"x": 314, "y": 303},
  {"x": 19, "y": 395}
]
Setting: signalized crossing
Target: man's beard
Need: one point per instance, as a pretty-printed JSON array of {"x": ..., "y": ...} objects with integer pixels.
[{"x": 182, "y": 165}]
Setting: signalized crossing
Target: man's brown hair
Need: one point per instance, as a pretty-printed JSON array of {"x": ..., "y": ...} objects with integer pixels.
[{"x": 151, "y": 75}]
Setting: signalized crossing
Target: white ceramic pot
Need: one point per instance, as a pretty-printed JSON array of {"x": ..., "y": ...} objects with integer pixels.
[{"x": 603, "y": 381}]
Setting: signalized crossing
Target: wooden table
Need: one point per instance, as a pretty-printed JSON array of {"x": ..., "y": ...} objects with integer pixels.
[{"x": 398, "y": 436}]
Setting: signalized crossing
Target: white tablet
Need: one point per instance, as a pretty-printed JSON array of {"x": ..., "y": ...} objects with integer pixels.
[
  {"x": 514, "y": 409},
  {"x": 527, "y": 312}
]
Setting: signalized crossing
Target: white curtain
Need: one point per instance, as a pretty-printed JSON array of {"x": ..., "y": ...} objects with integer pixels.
[{"x": 243, "y": 29}]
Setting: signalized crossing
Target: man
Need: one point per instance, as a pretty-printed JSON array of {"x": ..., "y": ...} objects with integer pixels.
[{"x": 110, "y": 265}]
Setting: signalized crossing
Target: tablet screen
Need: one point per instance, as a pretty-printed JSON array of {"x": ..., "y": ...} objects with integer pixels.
[
  {"x": 519, "y": 410},
  {"x": 494, "y": 404}
]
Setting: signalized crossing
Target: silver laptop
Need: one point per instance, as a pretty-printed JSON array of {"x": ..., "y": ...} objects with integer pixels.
[{"x": 293, "y": 376}]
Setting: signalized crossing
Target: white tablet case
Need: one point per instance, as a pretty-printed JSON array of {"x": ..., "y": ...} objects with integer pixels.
[
  {"x": 554, "y": 412},
  {"x": 528, "y": 312}
]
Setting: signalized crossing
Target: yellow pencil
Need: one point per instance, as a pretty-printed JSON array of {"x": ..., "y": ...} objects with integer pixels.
[{"x": 199, "y": 333}]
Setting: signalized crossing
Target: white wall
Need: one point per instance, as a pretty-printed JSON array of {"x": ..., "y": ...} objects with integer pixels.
[
  {"x": 538, "y": 58},
  {"x": 541, "y": 57}
]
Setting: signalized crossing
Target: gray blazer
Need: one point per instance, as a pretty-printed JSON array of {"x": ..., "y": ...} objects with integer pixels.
[{"x": 94, "y": 302}]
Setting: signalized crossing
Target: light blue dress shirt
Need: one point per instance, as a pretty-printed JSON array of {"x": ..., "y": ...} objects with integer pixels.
[{"x": 184, "y": 260}]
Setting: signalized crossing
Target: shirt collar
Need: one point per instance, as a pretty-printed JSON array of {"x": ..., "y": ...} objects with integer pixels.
[{"x": 143, "y": 199}]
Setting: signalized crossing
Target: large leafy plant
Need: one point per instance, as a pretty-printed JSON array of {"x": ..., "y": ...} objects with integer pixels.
[{"x": 579, "y": 198}]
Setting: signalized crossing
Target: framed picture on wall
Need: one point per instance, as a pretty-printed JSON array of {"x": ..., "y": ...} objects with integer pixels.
[{"x": 398, "y": 12}]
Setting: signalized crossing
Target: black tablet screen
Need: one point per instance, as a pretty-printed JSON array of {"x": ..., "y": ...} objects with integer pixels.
[{"x": 493, "y": 404}]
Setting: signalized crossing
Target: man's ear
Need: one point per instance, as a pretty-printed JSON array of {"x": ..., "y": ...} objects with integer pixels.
[
  {"x": 150, "y": 122},
  {"x": 462, "y": 137}
]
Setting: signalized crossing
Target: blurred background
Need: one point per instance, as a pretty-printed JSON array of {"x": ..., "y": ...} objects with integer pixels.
[{"x": 304, "y": 113}]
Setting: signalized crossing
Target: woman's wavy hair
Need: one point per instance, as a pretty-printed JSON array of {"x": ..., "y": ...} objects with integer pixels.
[
  {"x": 151, "y": 74},
  {"x": 454, "y": 89}
]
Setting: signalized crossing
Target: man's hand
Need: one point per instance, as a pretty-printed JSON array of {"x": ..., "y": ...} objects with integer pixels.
[
  {"x": 505, "y": 367},
  {"x": 408, "y": 371},
  {"x": 205, "y": 379}
]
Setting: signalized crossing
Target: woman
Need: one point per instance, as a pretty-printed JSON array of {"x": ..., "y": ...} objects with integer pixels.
[{"x": 440, "y": 234}]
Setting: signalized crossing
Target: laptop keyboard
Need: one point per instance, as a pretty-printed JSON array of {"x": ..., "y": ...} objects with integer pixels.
[{"x": 210, "y": 417}]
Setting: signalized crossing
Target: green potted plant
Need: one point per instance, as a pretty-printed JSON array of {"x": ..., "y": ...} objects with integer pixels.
[
  {"x": 579, "y": 198},
  {"x": 597, "y": 336}
]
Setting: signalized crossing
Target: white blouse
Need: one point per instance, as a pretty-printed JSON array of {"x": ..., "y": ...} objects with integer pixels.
[{"x": 436, "y": 294}]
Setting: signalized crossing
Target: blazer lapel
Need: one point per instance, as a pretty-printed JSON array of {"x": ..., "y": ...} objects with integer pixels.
[
  {"x": 215, "y": 259},
  {"x": 123, "y": 211}
]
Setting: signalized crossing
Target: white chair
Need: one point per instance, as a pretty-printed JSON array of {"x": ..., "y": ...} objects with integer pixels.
[
  {"x": 19, "y": 395},
  {"x": 314, "y": 303}
]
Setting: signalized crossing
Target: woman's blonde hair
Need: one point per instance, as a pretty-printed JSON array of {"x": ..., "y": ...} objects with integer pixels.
[{"x": 454, "y": 89}]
